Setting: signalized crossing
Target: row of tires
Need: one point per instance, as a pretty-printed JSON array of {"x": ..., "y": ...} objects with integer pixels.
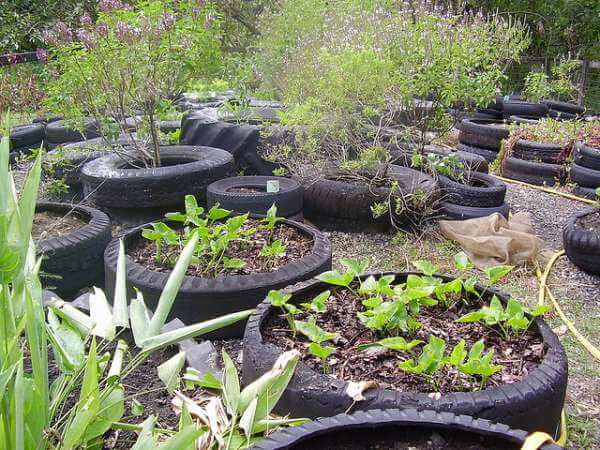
[{"x": 510, "y": 106}]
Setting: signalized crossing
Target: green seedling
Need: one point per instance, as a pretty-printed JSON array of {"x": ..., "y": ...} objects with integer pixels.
[
  {"x": 280, "y": 300},
  {"x": 322, "y": 352},
  {"x": 319, "y": 303},
  {"x": 313, "y": 332},
  {"x": 396, "y": 343}
]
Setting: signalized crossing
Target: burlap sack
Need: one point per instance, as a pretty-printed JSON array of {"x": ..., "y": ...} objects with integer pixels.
[{"x": 493, "y": 240}]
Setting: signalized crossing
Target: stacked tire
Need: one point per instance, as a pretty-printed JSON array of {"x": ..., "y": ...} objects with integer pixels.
[
  {"x": 60, "y": 132},
  {"x": 25, "y": 138},
  {"x": 563, "y": 110},
  {"x": 536, "y": 163},
  {"x": 585, "y": 171},
  {"x": 482, "y": 137},
  {"x": 480, "y": 196},
  {"x": 582, "y": 243}
]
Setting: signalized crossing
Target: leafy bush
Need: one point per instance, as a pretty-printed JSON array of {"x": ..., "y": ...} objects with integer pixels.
[
  {"x": 560, "y": 85},
  {"x": 131, "y": 61},
  {"x": 350, "y": 68}
]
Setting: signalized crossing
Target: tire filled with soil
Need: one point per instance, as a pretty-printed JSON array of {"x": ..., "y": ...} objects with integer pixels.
[
  {"x": 475, "y": 189},
  {"x": 537, "y": 173},
  {"x": 487, "y": 134},
  {"x": 71, "y": 240},
  {"x": 341, "y": 202},
  {"x": 249, "y": 194},
  {"x": 581, "y": 240},
  {"x": 528, "y": 393},
  {"x": 201, "y": 298},
  {"x": 114, "y": 182},
  {"x": 394, "y": 429},
  {"x": 586, "y": 156}
]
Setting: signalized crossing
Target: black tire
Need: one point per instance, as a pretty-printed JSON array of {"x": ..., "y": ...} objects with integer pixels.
[
  {"x": 494, "y": 129},
  {"x": 529, "y": 109},
  {"x": 394, "y": 425},
  {"x": 488, "y": 155},
  {"x": 533, "y": 172},
  {"x": 485, "y": 113},
  {"x": 168, "y": 126},
  {"x": 76, "y": 257},
  {"x": 59, "y": 133},
  {"x": 338, "y": 204},
  {"x": 582, "y": 246},
  {"x": 451, "y": 211},
  {"x": 479, "y": 140},
  {"x": 534, "y": 403},
  {"x": 561, "y": 115},
  {"x": 538, "y": 152},
  {"x": 26, "y": 136},
  {"x": 471, "y": 161},
  {"x": 585, "y": 192},
  {"x": 570, "y": 108},
  {"x": 585, "y": 177},
  {"x": 67, "y": 164},
  {"x": 288, "y": 200},
  {"x": 194, "y": 169},
  {"x": 586, "y": 156},
  {"x": 489, "y": 191},
  {"x": 523, "y": 120},
  {"x": 203, "y": 298}
]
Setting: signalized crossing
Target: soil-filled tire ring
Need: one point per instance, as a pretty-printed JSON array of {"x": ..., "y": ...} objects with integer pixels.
[
  {"x": 201, "y": 299},
  {"x": 332, "y": 202},
  {"x": 586, "y": 156},
  {"x": 478, "y": 140},
  {"x": 538, "y": 152},
  {"x": 533, "y": 172},
  {"x": 111, "y": 186},
  {"x": 484, "y": 128},
  {"x": 288, "y": 200},
  {"x": 491, "y": 193},
  {"x": 379, "y": 423},
  {"x": 451, "y": 211},
  {"x": 77, "y": 257},
  {"x": 585, "y": 177},
  {"x": 567, "y": 107},
  {"x": 582, "y": 246},
  {"x": 26, "y": 136},
  {"x": 518, "y": 108},
  {"x": 488, "y": 155},
  {"x": 59, "y": 133},
  {"x": 534, "y": 403}
]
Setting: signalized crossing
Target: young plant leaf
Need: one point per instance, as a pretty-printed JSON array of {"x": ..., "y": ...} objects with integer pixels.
[
  {"x": 168, "y": 372},
  {"x": 495, "y": 274}
]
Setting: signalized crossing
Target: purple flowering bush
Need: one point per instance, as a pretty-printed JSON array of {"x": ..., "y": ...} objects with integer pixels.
[{"x": 131, "y": 61}]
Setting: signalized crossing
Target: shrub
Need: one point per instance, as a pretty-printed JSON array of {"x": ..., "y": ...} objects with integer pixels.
[
  {"x": 561, "y": 83},
  {"x": 131, "y": 61}
]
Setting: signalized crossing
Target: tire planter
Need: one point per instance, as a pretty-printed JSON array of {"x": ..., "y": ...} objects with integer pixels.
[
  {"x": 528, "y": 109},
  {"x": 566, "y": 107},
  {"x": 201, "y": 299},
  {"x": 471, "y": 161},
  {"x": 26, "y": 136},
  {"x": 59, "y": 132},
  {"x": 585, "y": 177},
  {"x": 288, "y": 200},
  {"x": 185, "y": 170},
  {"x": 523, "y": 119},
  {"x": 538, "y": 152},
  {"x": 534, "y": 403},
  {"x": 488, "y": 191},
  {"x": 533, "y": 172},
  {"x": 488, "y": 155},
  {"x": 586, "y": 156},
  {"x": 561, "y": 115},
  {"x": 341, "y": 205},
  {"x": 460, "y": 212},
  {"x": 582, "y": 246},
  {"x": 487, "y": 134},
  {"x": 351, "y": 431},
  {"x": 76, "y": 257},
  {"x": 68, "y": 164},
  {"x": 585, "y": 192}
]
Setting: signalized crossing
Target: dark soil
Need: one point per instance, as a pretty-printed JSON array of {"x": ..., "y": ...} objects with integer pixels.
[
  {"x": 590, "y": 222},
  {"x": 518, "y": 356},
  {"x": 49, "y": 224},
  {"x": 247, "y": 190},
  {"x": 412, "y": 438},
  {"x": 298, "y": 245}
]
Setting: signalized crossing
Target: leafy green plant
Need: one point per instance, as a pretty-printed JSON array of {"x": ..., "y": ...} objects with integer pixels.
[
  {"x": 511, "y": 321},
  {"x": 161, "y": 234},
  {"x": 397, "y": 343},
  {"x": 280, "y": 300},
  {"x": 429, "y": 362},
  {"x": 322, "y": 352},
  {"x": 449, "y": 165},
  {"x": 560, "y": 84},
  {"x": 273, "y": 251},
  {"x": 314, "y": 332},
  {"x": 319, "y": 303}
]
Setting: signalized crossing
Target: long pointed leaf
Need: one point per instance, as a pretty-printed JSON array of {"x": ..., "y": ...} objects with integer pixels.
[
  {"x": 120, "y": 312},
  {"x": 140, "y": 318},
  {"x": 169, "y": 371},
  {"x": 101, "y": 313},
  {"x": 167, "y": 297}
]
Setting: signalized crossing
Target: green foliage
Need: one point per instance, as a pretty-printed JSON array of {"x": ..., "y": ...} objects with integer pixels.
[
  {"x": 132, "y": 60},
  {"x": 449, "y": 166},
  {"x": 397, "y": 343},
  {"x": 322, "y": 352},
  {"x": 560, "y": 85},
  {"x": 279, "y": 300},
  {"x": 510, "y": 320},
  {"x": 313, "y": 332},
  {"x": 217, "y": 231},
  {"x": 319, "y": 303}
]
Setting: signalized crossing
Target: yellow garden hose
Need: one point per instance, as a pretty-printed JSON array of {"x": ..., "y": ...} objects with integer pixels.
[
  {"x": 548, "y": 190},
  {"x": 535, "y": 440}
]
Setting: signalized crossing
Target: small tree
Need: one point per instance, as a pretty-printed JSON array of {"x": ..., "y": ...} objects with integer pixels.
[{"x": 131, "y": 61}]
